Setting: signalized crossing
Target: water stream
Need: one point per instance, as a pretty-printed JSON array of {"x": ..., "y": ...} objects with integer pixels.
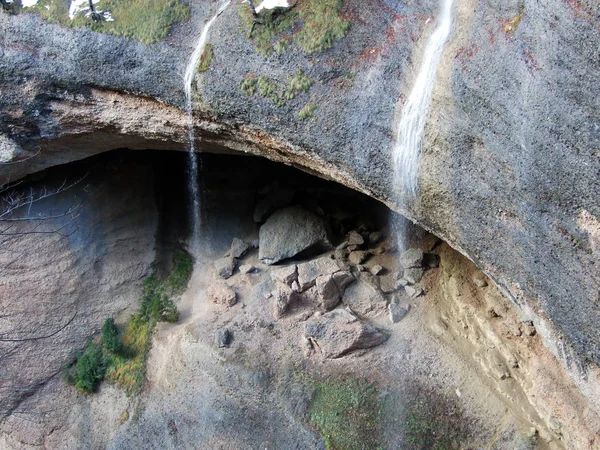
[
  {"x": 190, "y": 72},
  {"x": 406, "y": 152}
]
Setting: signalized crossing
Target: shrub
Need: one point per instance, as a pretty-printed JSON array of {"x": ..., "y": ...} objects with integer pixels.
[
  {"x": 110, "y": 336},
  {"x": 89, "y": 369}
]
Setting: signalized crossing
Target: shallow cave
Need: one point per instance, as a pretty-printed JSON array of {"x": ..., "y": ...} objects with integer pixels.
[{"x": 100, "y": 226}]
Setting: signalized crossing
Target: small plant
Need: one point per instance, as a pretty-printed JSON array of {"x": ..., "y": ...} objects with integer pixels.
[
  {"x": 266, "y": 88},
  {"x": 89, "y": 369},
  {"x": 110, "y": 336},
  {"x": 307, "y": 111},
  {"x": 206, "y": 58},
  {"x": 248, "y": 85},
  {"x": 346, "y": 414},
  {"x": 183, "y": 264}
]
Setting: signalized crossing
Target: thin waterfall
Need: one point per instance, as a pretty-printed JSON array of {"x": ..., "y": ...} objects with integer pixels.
[
  {"x": 190, "y": 71},
  {"x": 406, "y": 152}
]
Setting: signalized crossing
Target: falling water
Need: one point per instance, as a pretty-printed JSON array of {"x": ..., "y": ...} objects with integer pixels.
[
  {"x": 414, "y": 113},
  {"x": 190, "y": 71}
]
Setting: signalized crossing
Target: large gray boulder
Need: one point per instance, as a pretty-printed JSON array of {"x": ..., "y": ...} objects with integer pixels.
[
  {"x": 290, "y": 231},
  {"x": 340, "y": 332}
]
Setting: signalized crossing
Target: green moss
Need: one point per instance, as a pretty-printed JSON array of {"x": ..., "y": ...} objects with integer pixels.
[
  {"x": 206, "y": 58},
  {"x": 314, "y": 26},
  {"x": 322, "y": 25},
  {"x": 346, "y": 414},
  {"x": 266, "y": 88},
  {"x": 181, "y": 272},
  {"x": 144, "y": 20},
  {"x": 307, "y": 111}
]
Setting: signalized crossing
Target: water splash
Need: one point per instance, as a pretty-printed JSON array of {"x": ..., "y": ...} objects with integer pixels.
[
  {"x": 190, "y": 71},
  {"x": 407, "y": 150}
]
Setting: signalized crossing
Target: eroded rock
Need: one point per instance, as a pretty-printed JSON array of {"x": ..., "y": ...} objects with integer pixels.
[
  {"x": 225, "y": 266},
  {"x": 222, "y": 294},
  {"x": 413, "y": 257},
  {"x": 289, "y": 231},
  {"x": 340, "y": 332}
]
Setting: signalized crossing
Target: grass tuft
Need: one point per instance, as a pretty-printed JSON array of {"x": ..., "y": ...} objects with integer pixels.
[
  {"x": 264, "y": 87},
  {"x": 206, "y": 58},
  {"x": 307, "y": 112},
  {"x": 346, "y": 414}
]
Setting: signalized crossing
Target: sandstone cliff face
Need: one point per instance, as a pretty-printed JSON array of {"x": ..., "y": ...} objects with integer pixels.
[
  {"x": 510, "y": 170},
  {"x": 61, "y": 278}
]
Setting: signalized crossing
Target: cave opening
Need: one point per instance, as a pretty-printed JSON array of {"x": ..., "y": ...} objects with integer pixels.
[{"x": 118, "y": 216}]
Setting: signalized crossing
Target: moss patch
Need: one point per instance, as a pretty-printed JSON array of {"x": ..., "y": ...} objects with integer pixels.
[
  {"x": 264, "y": 87},
  {"x": 346, "y": 414},
  {"x": 144, "y": 20},
  {"x": 314, "y": 25},
  {"x": 206, "y": 58},
  {"x": 307, "y": 111}
]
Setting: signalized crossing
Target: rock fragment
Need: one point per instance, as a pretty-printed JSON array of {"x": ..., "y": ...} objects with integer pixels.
[
  {"x": 413, "y": 257},
  {"x": 397, "y": 313},
  {"x": 355, "y": 238},
  {"x": 413, "y": 275},
  {"x": 238, "y": 248},
  {"x": 222, "y": 294},
  {"x": 225, "y": 266},
  {"x": 310, "y": 270},
  {"x": 340, "y": 332},
  {"x": 376, "y": 269},
  {"x": 223, "y": 338},
  {"x": 286, "y": 275},
  {"x": 359, "y": 256},
  {"x": 247, "y": 268}
]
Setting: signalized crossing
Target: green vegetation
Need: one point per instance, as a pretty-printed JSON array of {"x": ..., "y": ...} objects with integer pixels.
[
  {"x": 144, "y": 20},
  {"x": 110, "y": 336},
  {"x": 307, "y": 111},
  {"x": 206, "y": 58},
  {"x": 314, "y": 25},
  {"x": 123, "y": 360},
  {"x": 432, "y": 423},
  {"x": 266, "y": 88},
  {"x": 89, "y": 369},
  {"x": 346, "y": 414},
  {"x": 322, "y": 25}
]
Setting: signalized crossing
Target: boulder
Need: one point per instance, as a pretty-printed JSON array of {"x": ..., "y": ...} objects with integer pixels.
[
  {"x": 290, "y": 231},
  {"x": 358, "y": 256},
  {"x": 238, "y": 248},
  {"x": 310, "y": 270},
  {"x": 286, "y": 275},
  {"x": 413, "y": 275},
  {"x": 225, "y": 266},
  {"x": 276, "y": 198},
  {"x": 330, "y": 289},
  {"x": 222, "y": 294},
  {"x": 376, "y": 269},
  {"x": 283, "y": 298},
  {"x": 340, "y": 332},
  {"x": 355, "y": 238},
  {"x": 364, "y": 299},
  {"x": 413, "y": 257}
]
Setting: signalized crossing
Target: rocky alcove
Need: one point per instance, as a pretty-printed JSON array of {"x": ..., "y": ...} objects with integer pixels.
[{"x": 271, "y": 311}]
